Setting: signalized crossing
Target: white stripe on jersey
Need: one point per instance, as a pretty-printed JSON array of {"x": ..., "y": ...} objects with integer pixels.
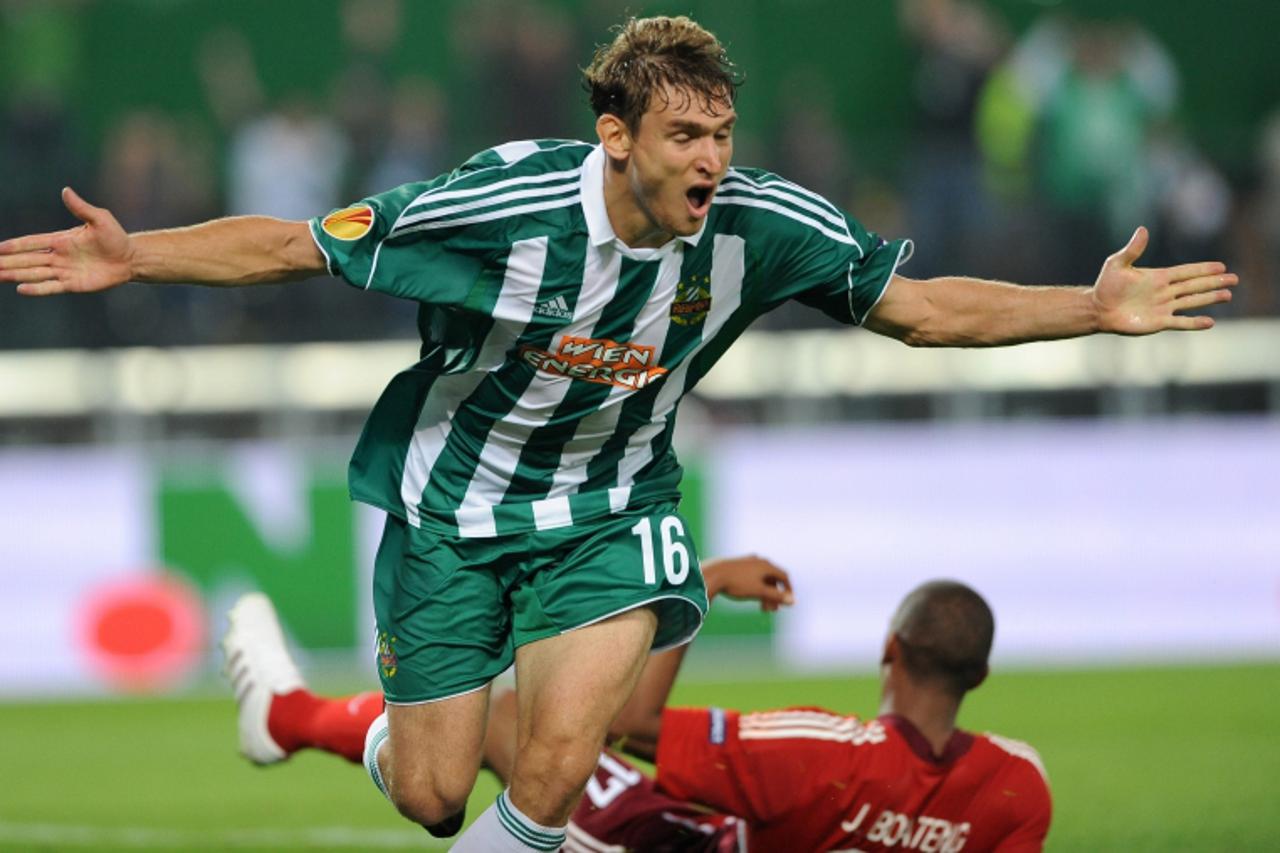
[
  {"x": 761, "y": 718},
  {"x": 753, "y": 201},
  {"x": 728, "y": 266},
  {"x": 495, "y": 188},
  {"x": 802, "y": 734},
  {"x": 503, "y": 213},
  {"x": 809, "y": 725},
  {"x": 476, "y": 523},
  {"x": 1020, "y": 749},
  {"x": 744, "y": 184},
  {"x": 525, "y": 264},
  {"x": 570, "y": 184},
  {"x": 510, "y": 152},
  {"x": 551, "y": 513},
  {"x": 435, "y": 422},
  {"x": 505, "y": 442},
  {"x": 619, "y": 497},
  {"x": 651, "y": 327},
  {"x": 588, "y": 437},
  {"x": 846, "y": 724},
  {"x": 790, "y": 724},
  {"x": 783, "y": 183},
  {"x": 443, "y": 190}
]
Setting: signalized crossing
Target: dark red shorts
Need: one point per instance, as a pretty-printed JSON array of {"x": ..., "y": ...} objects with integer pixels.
[{"x": 621, "y": 807}]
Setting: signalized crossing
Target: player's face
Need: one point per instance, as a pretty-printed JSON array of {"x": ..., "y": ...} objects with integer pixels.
[{"x": 679, "y": 153}]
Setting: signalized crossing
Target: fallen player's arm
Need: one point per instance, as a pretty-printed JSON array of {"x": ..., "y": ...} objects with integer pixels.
[
  {"x": 637, "y": 726},
  {"x": 1126, "y": 300},
  {"x": 99, "y": 254}
]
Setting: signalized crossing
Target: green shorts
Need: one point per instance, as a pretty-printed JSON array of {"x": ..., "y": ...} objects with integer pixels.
[{"x": 451, "y": 611}]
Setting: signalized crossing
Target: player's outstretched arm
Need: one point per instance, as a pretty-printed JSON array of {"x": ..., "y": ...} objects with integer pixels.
[
  {"x": 1125, "y": 300},
  {"x": 751, "y": 578},
  {"x": 99, "y": 254}
]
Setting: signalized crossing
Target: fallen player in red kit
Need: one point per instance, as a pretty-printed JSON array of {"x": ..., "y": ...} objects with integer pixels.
[{"x": 798, "y": 779}]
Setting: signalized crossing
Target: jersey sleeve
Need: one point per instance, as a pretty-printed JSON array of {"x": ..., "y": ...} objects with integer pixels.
[
  {"x": 816, "y": 253},
  {"x": 703, "y": 757},
  {"x": 843, "y": 274},
  {"x": 1032, "y": 815},
  {"x": 413, "y": 242}
]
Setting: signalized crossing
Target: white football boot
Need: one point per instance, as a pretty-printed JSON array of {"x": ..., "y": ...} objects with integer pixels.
[{"x": 258, "y": 665}]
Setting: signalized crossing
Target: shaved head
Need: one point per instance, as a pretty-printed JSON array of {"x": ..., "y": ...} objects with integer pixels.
[{"x": 945, "y": 631}]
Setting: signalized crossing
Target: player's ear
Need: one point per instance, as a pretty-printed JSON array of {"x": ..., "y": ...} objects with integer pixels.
[
  {"x": 614, "y": 135},
  {"x": 892, "y": 650}
]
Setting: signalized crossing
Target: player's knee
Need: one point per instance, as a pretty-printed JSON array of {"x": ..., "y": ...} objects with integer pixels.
[
  {"x": 555, "y": 769},
  {"x": 424, "y": 798},
  {"x": 427, "y": 806}
]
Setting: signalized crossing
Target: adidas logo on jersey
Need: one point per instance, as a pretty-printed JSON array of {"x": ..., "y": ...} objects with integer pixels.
[{"x": 555, "y": 307}]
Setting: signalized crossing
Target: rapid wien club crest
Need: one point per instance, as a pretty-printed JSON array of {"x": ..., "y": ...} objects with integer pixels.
[
  {"x": 387, "y": 660},
  {"x": 350, "y": 223},
  {"x": 693, "y": 300}
]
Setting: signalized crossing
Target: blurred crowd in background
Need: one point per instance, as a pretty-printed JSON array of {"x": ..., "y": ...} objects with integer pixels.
[{"x": 1032, "y": 154}]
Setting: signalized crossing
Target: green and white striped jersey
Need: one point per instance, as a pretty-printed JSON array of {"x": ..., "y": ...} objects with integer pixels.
[{"x": 553, "y": 356}]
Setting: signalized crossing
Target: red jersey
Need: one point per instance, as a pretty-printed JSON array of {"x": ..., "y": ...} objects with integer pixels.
[
  {"x": 806, "y": 779},
  {"x": 621, "y": 810}
]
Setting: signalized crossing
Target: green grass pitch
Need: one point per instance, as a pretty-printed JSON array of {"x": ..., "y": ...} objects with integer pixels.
[{"x": 1179, "y": 758}]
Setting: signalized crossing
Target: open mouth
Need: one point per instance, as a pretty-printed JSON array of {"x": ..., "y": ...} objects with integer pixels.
[{"x": 699, "y": 199}]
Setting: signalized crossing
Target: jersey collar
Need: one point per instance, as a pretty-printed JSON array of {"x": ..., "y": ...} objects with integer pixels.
[
  {"x": 957, "y": 746},
  {"x": 599, "y": 229}
]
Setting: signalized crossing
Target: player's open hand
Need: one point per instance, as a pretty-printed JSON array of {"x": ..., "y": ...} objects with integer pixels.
[
  {"x": 750, "y": 578},
  {"x": 92, "y": 256},
  {"x": 1139, "y": 301}
]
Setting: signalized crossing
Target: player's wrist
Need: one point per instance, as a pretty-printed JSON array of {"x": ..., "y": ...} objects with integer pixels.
[
  {"x": 712, "y": 578},
  {"x": 130, "y": 263}
]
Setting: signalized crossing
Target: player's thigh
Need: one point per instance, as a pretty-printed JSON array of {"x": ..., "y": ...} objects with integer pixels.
[
  {"x": 443, "y": 622},
  {"x": 435, "y": 748},
  {"x": 587, "y": 573},
  {"x": 570, "y": 687}
]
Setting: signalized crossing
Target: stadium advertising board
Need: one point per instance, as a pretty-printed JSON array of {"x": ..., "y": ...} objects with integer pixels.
[
  {"x": 1145, "y": 541},
  {"x": 1142, "y": 541}
]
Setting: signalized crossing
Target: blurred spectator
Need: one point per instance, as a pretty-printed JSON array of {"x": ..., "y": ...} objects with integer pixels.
[
  {"x": 1260, "y": 232},
  {"x": 362, "y": 92},
  {"x": 37, "y": 131},
  {"x": 948, "y": 214},
  {"x": 413, "y": 148},
  {"x": 362, "y": 109},
  {"x": 41, "y": 150},
  {"x": 520, "y": 61},
  {"x": 287, "y": 163},
  {"x": 1098, "y": 90},
  {"x": 1025, "y": 165},
  {"x": 155, "y": 175},
  {"x": 811, "y": 148},
  {"x": 371, "y": 28},
  {"x": 288, "y": 160},
  {"x": 1193, "y": 201},
  {"x": 230, "y": 78}
]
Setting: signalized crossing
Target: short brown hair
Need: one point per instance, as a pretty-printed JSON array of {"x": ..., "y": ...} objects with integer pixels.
[
  {"x": 945, "y": 630},
  {"x": 648, "y": 54}
]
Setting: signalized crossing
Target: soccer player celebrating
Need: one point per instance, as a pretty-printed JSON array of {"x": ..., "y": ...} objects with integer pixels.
[
  {"x": 795, "y": 779},
  {"x": 569, "y": 296}
]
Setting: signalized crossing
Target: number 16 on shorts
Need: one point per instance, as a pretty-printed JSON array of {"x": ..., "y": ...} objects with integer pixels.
[{"x": 664, "y": 545}]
